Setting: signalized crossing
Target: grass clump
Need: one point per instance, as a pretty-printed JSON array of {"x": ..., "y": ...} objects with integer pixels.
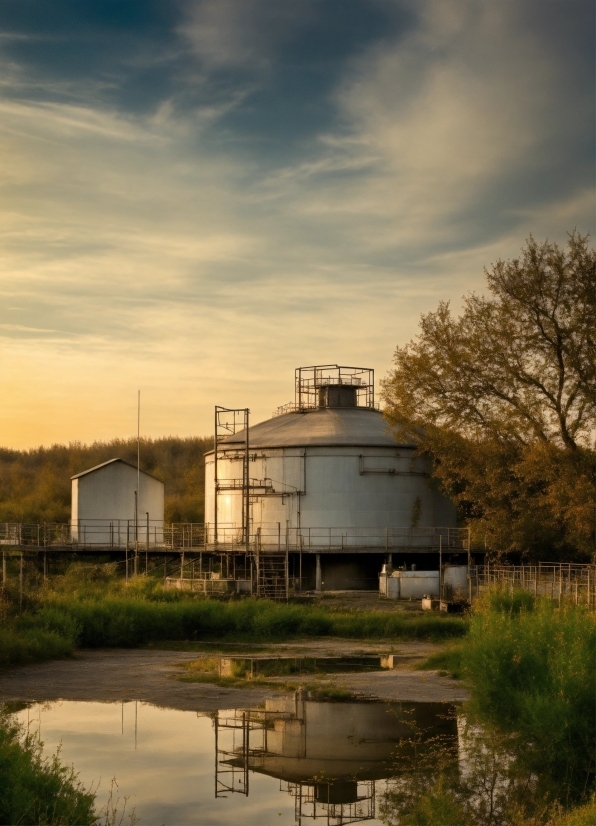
[
  {"x": 19, "y": 646},
  {"x": 582, "y": 816},
  {"x": 529, "y": 730},
  {"x": 448, "y": 662},
  {"x": 38, "y": 790},
  {"x": 133, "y": 620},
  {"x": 530, "y": 667}
]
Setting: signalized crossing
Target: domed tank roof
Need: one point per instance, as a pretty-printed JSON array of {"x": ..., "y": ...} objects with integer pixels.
[{"x": 346, "y": 426}]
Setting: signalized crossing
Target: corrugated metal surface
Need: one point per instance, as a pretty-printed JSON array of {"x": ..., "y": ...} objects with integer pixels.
[{"x": 326, "y": 427}]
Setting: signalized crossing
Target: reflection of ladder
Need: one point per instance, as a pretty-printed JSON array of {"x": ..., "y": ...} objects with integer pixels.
[{"x": 272, "y": 575}]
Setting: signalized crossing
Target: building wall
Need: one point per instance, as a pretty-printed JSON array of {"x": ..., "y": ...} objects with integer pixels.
[{"x": 106, "y": 495}]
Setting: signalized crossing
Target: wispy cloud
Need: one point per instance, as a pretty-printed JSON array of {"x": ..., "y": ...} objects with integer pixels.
[{"x": 238, "y": 191}]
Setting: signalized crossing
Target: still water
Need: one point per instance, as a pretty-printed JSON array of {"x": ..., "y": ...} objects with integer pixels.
[{"x": 293, "y": 761}]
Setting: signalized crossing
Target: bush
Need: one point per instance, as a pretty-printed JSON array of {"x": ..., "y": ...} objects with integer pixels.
[
  {"x": 35, "y": 790},
  {"x": 531, "y": 673},
  {"x": 126, "y": 621},
  {"x": 32, "y": 645}
]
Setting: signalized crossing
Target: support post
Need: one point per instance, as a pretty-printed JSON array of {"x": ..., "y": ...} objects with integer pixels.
[
  {"x": 247, "y": 486},
  {"x": 469, "y": 566},
  {"x": 136, "y": 563},
  {"x": 215, "y": 536},
  {"x": 4, "y": 571},
  {"x": 21, "y": 585},
  {"x": 440, "y": 566},
  {"x": 318, "y": 575}
]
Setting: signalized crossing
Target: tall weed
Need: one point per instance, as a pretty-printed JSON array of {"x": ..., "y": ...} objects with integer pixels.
[
  {"x": 531, "y": 668},
  {"x": 130, "y": 621},
  {"x": 38, "y": 790}
]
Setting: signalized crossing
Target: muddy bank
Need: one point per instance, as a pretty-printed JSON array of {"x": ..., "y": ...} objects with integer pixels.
[{"x": 151, "y": 676}]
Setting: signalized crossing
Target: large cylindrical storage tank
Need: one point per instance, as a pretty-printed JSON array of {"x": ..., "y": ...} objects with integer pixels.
[
  {"x": 327, "y": 477},
  {"x": 327, "y": 468}
]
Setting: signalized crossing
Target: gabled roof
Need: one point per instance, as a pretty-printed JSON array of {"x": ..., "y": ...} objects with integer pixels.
[{"x": 111, "y": 462}]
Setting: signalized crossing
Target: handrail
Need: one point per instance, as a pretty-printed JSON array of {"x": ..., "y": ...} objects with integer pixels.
[{"x": 156, "y": 535}]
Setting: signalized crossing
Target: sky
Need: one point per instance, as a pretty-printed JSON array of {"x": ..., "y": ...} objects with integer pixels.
[{"x": 198, "y": 196}]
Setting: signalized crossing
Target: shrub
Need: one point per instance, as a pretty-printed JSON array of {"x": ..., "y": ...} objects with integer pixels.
[
  {"x": 37, "y": 790},
  {"x": 531, "y": 673}
]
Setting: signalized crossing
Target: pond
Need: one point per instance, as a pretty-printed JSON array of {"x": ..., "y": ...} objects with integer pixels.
[{"x": 295, "y": 760}]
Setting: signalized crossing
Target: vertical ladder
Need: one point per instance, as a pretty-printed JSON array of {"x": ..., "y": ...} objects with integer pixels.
[{"x": 272, "y": 575}]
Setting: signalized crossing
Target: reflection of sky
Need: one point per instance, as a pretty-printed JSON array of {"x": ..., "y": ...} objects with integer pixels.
[
  {"x": 169, "y": 778},
  {"x": 199, "y": 196}
]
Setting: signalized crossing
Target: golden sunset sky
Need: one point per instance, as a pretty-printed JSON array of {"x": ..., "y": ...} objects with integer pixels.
[{"x": 199, "y": 196}]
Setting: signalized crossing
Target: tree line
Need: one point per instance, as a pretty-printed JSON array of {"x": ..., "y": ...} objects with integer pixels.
[{"x": 35, "y": 484}]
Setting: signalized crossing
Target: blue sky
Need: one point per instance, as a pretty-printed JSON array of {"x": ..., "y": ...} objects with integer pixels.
[{"x": 199, "y": 196}]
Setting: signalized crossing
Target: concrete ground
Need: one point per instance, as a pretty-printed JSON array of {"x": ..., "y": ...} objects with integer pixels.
[{"x": 152, "y": 676}]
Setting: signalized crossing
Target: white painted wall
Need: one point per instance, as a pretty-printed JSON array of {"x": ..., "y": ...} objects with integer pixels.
[
  {"x": 106, "y": 495},
  {"x": 356, "y": 488}
]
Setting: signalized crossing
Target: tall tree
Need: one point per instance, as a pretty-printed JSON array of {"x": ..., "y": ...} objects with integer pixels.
[{"x": 504, "y": 398}]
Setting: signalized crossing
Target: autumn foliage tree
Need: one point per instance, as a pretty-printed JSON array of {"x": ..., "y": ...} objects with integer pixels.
[{"x": 504, "y": 398}]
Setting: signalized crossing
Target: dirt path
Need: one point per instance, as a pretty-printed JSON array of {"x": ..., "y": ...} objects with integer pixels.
[{"x": 151, "y": 676}]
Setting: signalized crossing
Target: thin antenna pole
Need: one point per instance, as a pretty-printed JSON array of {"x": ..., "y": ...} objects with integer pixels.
[
  {"x": 139, "y": 440},
  {"x": 138, "y": 491}
]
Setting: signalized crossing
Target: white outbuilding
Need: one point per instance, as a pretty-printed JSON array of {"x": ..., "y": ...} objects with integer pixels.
[{"x": 113, "y": 504}]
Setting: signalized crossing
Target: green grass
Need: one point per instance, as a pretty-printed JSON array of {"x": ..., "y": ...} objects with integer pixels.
[
  {"x": 582, "y": 816},
  {"x": 448, "y": 662},
  {"x": 531, "y": 670},
  {"x": 133, "y": 621},
  {"x": 202, "y": 671},
  {"x": 37, "y": 790},
  {"x": 89, "y": 607}
]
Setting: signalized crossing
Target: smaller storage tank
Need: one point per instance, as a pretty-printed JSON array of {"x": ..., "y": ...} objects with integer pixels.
[
  {"x": 409, "y": 584},
  {"x": 455, "y": 582}
]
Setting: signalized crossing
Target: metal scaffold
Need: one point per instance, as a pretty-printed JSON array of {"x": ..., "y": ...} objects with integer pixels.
[
  {"x": 229, "y": 422},
  {"x": 270, "y": 566}
]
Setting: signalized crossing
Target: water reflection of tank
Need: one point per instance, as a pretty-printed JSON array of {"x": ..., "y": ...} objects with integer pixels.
[{"x": 328, "y": 754}]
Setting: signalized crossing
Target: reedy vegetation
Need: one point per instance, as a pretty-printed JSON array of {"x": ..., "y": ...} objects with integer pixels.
[
  {"x": 91, "y": 607},
  {"x": 39, "y": 790},
  {"x": 529, "y": 729}
]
